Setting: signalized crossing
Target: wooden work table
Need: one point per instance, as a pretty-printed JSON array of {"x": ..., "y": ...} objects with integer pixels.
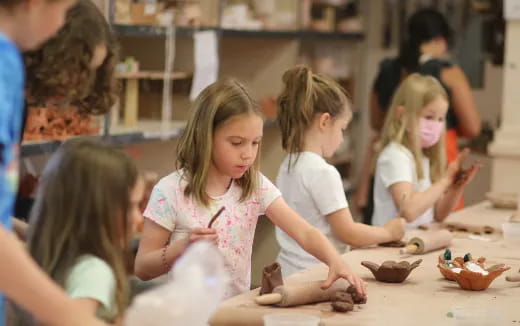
[{"x": 425, "y": 298}]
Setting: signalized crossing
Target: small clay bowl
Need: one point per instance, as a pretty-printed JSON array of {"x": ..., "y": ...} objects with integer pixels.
[
  {"x": 474, "y": 281},
  {"x": 391, "y": 271},
  {"x": 445, "y": 266}
]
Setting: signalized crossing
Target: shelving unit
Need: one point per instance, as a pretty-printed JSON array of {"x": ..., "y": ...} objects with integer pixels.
[{"x": 158, "y": 31}]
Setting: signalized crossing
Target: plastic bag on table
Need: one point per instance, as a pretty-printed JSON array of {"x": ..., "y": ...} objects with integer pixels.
[{"x": 190, "y": 297}]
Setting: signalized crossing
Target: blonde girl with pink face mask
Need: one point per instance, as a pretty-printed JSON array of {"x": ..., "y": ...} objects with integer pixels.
[{"x": 411, "y": 175}]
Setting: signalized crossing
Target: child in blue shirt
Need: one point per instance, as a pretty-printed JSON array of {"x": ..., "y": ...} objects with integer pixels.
[{"x": 25, "y": 25}]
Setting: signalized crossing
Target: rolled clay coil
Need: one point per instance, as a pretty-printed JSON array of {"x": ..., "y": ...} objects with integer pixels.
[
  {"x": 428, "y": 242},
  {"x": 299, "y": 294}
]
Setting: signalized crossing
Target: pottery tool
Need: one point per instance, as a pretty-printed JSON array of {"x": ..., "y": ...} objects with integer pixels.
[
  {"x": 428, "y": 241},
  {"x": 300, "y": 294},
  {"x": 214, "y": 218}
]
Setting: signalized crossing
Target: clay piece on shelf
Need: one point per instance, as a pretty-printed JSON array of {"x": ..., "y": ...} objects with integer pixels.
[
  {"x": 271, "y": 278},
  {"x": 391, "y": 271},
  {"x": 393, "y": 244},
  {"x": 470, "y": 274}
]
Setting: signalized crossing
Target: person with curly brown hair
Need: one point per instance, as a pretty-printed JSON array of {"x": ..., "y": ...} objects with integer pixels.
[{"x": 71, "y": 77}]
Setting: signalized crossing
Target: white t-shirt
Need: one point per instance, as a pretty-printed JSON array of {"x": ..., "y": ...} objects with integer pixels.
[
  {"x": 313, "y": 188},
  {"x": 235, "y": 227},
  {"x": 92, "y": 278},
  {"x": 396, "y": 164}
]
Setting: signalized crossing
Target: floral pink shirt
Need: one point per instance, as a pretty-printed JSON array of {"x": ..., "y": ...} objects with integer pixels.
[{"x": 236, "y": 225}]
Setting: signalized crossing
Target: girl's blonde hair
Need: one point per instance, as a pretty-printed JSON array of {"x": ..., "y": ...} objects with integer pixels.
[
  {"x": 414, "y": 93},
  {"x": 81, "y": 209},
  {"x": 305, "y": 95},
  {"x": 215, "y": 105}
]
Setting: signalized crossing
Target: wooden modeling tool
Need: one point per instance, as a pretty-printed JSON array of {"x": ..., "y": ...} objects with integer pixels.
[{"x": 214, "y": 218}]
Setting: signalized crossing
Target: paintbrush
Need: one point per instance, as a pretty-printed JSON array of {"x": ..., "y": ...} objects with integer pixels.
[{"x": 214, "y": 218}]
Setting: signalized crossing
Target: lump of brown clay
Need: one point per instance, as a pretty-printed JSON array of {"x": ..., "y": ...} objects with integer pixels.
[
  {"x": 271, "y": 278},
  {"x": 391, "y": 271},
  {"x": 341, "y": 306},
  {"x": 393, "y": 244},
  {"x": 342, "y": 296},
  {"x": 358, "y": 299}
]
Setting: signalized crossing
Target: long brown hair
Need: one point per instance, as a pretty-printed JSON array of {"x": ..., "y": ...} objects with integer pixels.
[
  {"x": 61, "y": 67},
  {"x": 81, "y": 209},
  {"x": 215, "y": 105},
  {"x": 305, "y": 95},
  {"x": 414, "y": 93}
]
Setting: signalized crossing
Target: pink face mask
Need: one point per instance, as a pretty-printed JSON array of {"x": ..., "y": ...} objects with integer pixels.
[{"x": 430, "y": 131}]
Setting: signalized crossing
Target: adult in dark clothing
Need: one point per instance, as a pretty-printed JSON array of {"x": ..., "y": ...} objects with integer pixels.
[{"x": 424, "y": 51}]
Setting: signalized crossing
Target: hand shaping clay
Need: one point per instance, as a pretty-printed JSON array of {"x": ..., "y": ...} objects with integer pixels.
[
  {"x": 343, "y": 300},
  {"x": 391, "y": 271},
  {"x": 358, "y": 299},
  {"x": 271, "y": 278}
]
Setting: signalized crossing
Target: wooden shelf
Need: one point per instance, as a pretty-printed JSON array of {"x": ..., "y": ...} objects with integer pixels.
[
  {"x": 156, "y": 31},
  {"x": 34, "y": 148},
  {"x": 152, "y": 75},
  {"x": 144, "y": 131},
  {"x": 151, "y": 129}
]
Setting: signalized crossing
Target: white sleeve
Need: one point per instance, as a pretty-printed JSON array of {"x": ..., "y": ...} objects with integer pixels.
[
  {"x": 93, "y": 279},
  {"x": 326, "y": 188},
  {"x": 395, "y": 165},
  {"x": 160, "y": 208},
  {"x": 267, "y": 193}
]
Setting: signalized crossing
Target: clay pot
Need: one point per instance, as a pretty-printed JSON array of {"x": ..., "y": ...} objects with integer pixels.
[
  {"x": 445, "y": 266},
  {"x": 391, "y": 271},
  {"x": 474, "y": 281}
]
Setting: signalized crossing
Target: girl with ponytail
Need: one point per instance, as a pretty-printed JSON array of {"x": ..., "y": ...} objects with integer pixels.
[{"x": 313, "y": 112}]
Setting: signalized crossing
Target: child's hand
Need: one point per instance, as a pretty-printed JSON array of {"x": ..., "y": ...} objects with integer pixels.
[
  {"x": 396, "y": 227},
  {"x": 198, "y": 234},
  {"x": 458, "y": 176},
  {"x": 456, "y": 166},
  {"x": 341, "y": 270},
  {"x": 464, "y": 176}
]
